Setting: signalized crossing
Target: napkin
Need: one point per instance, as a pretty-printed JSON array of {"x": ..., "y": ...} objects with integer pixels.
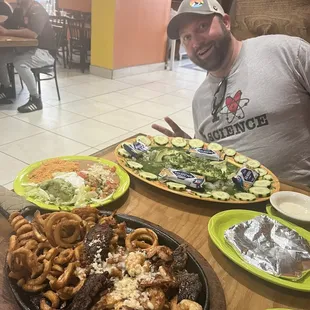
[{"x": 11, "y": 202}]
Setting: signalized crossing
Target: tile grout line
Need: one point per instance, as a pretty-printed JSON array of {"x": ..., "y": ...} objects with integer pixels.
[{"x": 14, "y": 158}]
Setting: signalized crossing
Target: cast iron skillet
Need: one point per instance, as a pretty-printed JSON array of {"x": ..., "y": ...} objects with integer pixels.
[{"x": 29, "y": 301}]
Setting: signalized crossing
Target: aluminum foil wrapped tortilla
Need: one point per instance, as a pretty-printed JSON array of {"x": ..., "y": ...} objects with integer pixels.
[{"x": 270, "y": 246}]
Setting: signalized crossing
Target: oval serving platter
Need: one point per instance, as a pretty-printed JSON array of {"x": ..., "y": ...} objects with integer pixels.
[
  {"x": 28, "y": 301},
  {"x": 123, "y": 161},
  {"x": 22, "y": 178}
]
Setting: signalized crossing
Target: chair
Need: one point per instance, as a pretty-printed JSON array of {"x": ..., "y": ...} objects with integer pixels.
[
  {"x": 59, "y": 24},
  {"x": 50, "y": 72},
  {"x": 80, "y": 40}
]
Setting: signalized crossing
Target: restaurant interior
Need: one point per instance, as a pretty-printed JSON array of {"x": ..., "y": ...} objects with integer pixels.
[{"x": 99, "y": 209}]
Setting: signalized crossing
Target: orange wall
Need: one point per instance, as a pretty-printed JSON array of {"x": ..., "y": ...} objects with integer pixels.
[
  {"x": 140, "y": 32},
  {"x": 76, "y": 5}
]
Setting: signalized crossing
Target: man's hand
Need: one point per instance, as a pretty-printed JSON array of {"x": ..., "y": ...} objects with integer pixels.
[
  {"x": 3, "y": 31},
  {"x": 175, "y": 132}
]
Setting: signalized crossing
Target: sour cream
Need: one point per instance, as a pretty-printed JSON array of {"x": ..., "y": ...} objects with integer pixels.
[
  {"x": 296, "y": 209},
  {"x": 73, "y": 178}
]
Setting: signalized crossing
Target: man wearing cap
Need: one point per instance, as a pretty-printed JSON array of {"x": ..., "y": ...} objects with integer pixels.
[{"x": 256, "y": 95}]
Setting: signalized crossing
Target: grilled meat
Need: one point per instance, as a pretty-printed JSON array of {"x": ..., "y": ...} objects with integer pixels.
[
  {"x": 189, "y": 286},
  {"x": 179, "y": 258},
  {"x": 97, "y": 241},
  {"x": 94, "y": 284}
]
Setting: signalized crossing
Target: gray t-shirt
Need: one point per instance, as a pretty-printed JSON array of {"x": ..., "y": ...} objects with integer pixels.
[{"x": 266, "y": 111}]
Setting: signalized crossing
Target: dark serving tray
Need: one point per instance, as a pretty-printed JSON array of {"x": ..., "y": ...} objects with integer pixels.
[{"x": 27, "y": 301}]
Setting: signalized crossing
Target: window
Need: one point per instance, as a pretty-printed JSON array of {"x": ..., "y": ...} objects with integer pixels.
[{"x": 49, "y": 5}]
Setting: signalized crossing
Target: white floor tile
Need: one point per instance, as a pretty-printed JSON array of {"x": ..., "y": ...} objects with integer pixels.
[
  {"x": 184, "y": 93},
  {"x": 9, "y": 168},
  {"x": 65, "y": 82},
  {"x": 117, "y": 99},
  {"x": 183, "y": 118},
  {"x": 50, "y": 118},
  {"x": 198, "y": 77},
  {"x": 86, "y": 78},
  {"x": 151, "y": 108},
  {"x": 90, "y": 132},
  {"x": 141, "y": 93},
  {"x": 2, "y": 115},
  {"x": 192, "y": 86},
  {"x": 175, "y": 82},
  {"x": 11, "y": 109},
  {"x": 161, "y": 87},
  {"x": 137, "y": 80},
  {"x": 42, "y": 146},
  {"x": 97, "y": 88},
  {"x": 125, "y": 119},
  {"x": 65, "y": 73},
  {"x": 88, "y": 108},
  {"x": 115, "y": 140},
  {"x": 109, "y": 86},
  {"x": 13, "y": 129},
  {"x": 9, "y": 186},
  {"x": 65, "y": 98},
  {"x": 86, "y": 90},
  {"x": 173, "y": 101},
  {"x": 88, "y": 152}
]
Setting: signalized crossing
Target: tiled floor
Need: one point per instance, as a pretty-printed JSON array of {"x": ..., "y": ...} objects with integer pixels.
[{"x": 92, "y": 114}]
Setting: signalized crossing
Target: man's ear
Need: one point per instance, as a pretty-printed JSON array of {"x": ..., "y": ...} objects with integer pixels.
[{"x": 226, "y": 21}]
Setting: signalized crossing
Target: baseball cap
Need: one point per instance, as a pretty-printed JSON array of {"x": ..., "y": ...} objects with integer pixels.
[{"x": 203, "y": 7}]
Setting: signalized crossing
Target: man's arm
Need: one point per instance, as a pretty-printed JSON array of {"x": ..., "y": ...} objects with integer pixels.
[
  {"x": 23, "y": 33},
  {"x": 303, "y": 64}
]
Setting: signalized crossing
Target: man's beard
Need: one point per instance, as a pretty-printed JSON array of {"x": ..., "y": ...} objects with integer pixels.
[{"x": 218, "y": 55}]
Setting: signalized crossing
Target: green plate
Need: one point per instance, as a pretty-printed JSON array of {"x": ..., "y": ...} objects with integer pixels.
[
  {"x": 222, "y": 221},
  {"x": 22, "y": 177}
]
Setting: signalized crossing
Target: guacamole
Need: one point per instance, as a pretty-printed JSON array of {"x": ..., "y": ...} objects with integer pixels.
[{"x": 60, "y": 189}]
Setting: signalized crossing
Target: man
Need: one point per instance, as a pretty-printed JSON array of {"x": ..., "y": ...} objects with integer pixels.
[
  {"x": 29, "y": 21},
  {"x": 5, "y": 10},
  {"x": 256, "y": 95}
]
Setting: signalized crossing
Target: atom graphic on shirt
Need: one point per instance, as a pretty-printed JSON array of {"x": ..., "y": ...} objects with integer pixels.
[{"x": 233, "y": 107}]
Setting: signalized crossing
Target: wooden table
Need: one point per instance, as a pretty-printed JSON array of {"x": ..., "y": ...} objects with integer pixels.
[
  {"x": 17, "y": 42},
  {"x": 188, "y": 218}
]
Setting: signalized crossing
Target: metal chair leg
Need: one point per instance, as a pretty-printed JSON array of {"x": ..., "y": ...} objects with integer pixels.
[
  {"x": 39, "y": 83},
  {"x": 21, "y": 82},
  {"x": 56, "y": 82},
  {"x": 64, "y": 56}
]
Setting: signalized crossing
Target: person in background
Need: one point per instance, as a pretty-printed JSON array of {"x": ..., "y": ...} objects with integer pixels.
[
  {"x": 30, "y": 20},
  {"x": 256, "y": 95},
  {"x": 5, "y": 10}
]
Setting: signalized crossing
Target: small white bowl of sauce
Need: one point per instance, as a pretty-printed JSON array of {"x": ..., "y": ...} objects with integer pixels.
[{"x": 292, "y": 204}]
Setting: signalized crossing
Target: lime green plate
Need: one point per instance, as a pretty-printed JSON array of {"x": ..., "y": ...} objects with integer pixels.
[
  {"x": 22, "y": 177},
  {"x": 222, "y": 221}
]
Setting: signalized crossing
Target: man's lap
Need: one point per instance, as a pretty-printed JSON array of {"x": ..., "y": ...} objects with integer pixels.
[{"x": 33, "y": 58}]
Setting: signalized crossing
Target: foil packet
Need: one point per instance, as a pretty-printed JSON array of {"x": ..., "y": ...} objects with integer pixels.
[
  {"x": 135, "y": 149},
  {"x": 183, "y": 177},
  {"x": 245, "y": 178},
  {"x": 270, "y": 246},
  {"x": 207, "y": 154}
]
